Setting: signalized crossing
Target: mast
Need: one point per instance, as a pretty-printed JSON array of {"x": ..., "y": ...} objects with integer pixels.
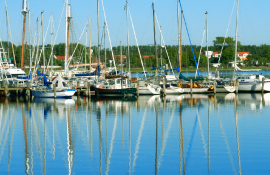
[
  {"x": 43, "y": 42},
  {"x": 128, "y": 56},
  {"x": 98, "y": 36},
  {"x": 85, "y": 50},
  {"x": 121, "y": 64},
  {"x": 161, "y": 50},
  {"x": 105, "y": 44},
  {"x": 10, "y": 35},
  {"x": 90, "y": 68},
  {"x": 37, "y": 43},
  {"x": 67, "y": 34},
  {"x": 52, "y": 40},
  {"x": 30, "y": 42},
  {"x": 236, "y": 35},
  {"x": 24, "y": 11},
  {"x": 181, "y": 40},
  {"x": 207, "y": 45},
  {"x": 179, "y": 33},
  {"x": 155, "y": 39}
]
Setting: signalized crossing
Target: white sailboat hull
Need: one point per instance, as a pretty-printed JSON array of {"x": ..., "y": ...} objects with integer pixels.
[
  {"x": 148, "y": 90},
  {"x": 225, "y": 89},
  {"x": 253, "y": 87},
  {"x": 50, "y": 94},
  {"x": 197, "y": 90}
]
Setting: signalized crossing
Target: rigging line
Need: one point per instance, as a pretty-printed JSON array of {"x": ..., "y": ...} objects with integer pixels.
[
  {"x": 189, "y": 37},
  {"x": 44, "y": 40},
  {"x": 200, "y": 54},
  {"x": 69, "y": 60},
  {"x": 107, "y": 26},
  {"x": 120, "y": 26},
  {"x": 226, "y": 34},
  {"x": 164, "y": 44},
  {"x": 137, "y": 44},
  {"x": 51, "y": 56},
  {"x": 250, "y": 24}
]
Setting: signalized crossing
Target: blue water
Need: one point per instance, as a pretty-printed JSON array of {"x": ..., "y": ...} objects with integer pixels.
[{"x": 199, "y": 134}]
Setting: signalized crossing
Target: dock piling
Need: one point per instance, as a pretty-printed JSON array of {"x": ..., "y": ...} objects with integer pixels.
[
  {"x": 215, "y": 86},
  {"x": 191, "y": 86},
  {"x": 263, "y": 81},
  {"x": 54, "y": 90}
]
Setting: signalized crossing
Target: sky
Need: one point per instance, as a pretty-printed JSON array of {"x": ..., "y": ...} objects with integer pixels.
[{"x": 253, "y": 20}]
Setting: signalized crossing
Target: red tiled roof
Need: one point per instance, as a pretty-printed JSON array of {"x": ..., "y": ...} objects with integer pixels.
[
  {"x": 214, "y": 53},
  {"x": 242, "y": 53}
]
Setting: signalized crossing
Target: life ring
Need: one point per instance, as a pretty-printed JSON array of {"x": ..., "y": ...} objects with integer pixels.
[
  {"x": 211, "y": 86},
  {"x": 178, "y": 85},
  {"x": 53, "y": 78}
]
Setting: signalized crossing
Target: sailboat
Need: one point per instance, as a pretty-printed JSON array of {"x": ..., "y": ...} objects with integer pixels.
[
  {"x": 253, "y": 83},
  {"x": 46, "y": 90}
]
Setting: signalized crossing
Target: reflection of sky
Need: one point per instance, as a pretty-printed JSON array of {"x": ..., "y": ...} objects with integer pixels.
[{"x": 128, "y": 142}]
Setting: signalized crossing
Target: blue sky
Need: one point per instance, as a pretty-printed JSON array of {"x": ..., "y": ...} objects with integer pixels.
[{"x": 253, "y": 19}]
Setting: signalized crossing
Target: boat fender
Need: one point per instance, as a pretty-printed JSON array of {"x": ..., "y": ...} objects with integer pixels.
[
  {"x": 234, "y": 83},
  {"x": 75, "y": 86},
  {"x": 211, "y": 86},
  {"x": 146, "y": 84},
  {"x": 178, "y": 85}
]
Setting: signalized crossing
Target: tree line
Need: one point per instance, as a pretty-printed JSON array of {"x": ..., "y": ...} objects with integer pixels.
[{"x": 260, "y": 55}]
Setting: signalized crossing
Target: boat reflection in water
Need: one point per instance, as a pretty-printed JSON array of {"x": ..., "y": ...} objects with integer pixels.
[{"x": 186, "y": 134}]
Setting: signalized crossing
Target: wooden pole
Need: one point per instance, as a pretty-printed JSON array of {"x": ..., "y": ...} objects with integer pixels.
[
  {"x": 164, "y": 87},
  {"x": 89, "y": 89},
  {"x": 236, "y": 86},
  {"x": 54, "y": 90},
  {"x": 6, "y": 89},
  {"x": 215, "y": 86},
  {"x": 263, "y": 81},
  {"x": 78, "y": 90},
  {"x": 138, "y": 88},
  {"x": 191, "y": 86}
]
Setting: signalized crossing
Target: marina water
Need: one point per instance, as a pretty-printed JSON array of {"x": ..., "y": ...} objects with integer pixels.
[{"x": 198, "y": 134}]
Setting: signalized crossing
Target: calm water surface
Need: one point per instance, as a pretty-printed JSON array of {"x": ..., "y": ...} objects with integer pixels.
[{"x": 202, "y": 134}]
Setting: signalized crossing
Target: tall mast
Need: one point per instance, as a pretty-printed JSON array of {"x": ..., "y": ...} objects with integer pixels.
[
  {"x": 180, "y": 45},
  {"x": 98, "y": 37},
  {"x": 10, "y": 35},
  {"x": 128, "y": 56},
  {"x": 85, "y": 50},
  {"x": 30, "y": 44},
  {"x": 68, "y": 29},
  {"x": 155, "y": 39},
  {"x": 161, "y": 50},
  {"x": 52, "y": 40},
  {"x": 43, "y": 42},
  {"x": 37, "y": 42},
  {"x": 66, "y": 47},
  {"x": 178, "y": 34},
  {"x": 24, "y": 11},
  {"x": 236, "y": 35},
  {"x": 121, "y": 59},
  {"x": 207, "y": 45},
  {"x": 90, "y": 68},
  {"x": 105, "y": 44}
]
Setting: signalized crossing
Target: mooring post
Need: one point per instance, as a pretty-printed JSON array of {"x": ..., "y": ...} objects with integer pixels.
[
  {"x": 70, "y": 84},
  {"x": 164, "y": 87},
  {"x": 191, "y": 86},
  {"x": 28, "y": 91},
  {"x": 236, "y": 86},
  {"x": 54, "y": 90},
  {"x": 78, "y": 90},
  {"x": 6, "y": 89},
  {"x": 89, "y": 89},
  {"x": 263, "y": 80},
  {"x": 138, "y": 88},
  {"x": 17, "y": 86},
  {"x": 215, "y": 86}
]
